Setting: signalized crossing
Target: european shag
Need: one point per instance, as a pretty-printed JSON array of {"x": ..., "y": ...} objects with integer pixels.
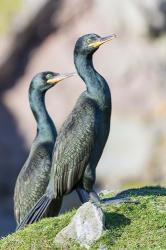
[
  {"x": 33, "y": 178},
  {"x": 83, "y": 135}
]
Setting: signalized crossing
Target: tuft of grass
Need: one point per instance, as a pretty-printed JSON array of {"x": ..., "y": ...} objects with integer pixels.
[{"x": 128, "y": 225}]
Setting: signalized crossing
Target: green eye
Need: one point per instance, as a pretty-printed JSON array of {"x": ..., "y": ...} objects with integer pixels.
[
  {"x": 89, "y": 41},
  {"x": 48, "y": 76}
]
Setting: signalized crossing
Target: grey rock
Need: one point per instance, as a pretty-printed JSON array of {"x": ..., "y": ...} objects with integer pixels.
[
  {"x": 102, "y": 247},
  {"x": 85, "y": 227}
]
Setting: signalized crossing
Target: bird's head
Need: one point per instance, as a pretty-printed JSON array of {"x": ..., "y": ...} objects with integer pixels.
[
  {"x": 89, "y": 43},
  {"x": 45, "y": 80}
]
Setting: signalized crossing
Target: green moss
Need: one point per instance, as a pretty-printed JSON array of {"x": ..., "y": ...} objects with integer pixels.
[
  {"x": 129, "y": 226},
  {"x": 7, "y": 9}
]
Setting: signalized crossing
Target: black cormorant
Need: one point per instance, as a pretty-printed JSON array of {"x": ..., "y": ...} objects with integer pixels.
[
  {"x": 83, "y": 135},
  {"x": 34, "y": 176}
]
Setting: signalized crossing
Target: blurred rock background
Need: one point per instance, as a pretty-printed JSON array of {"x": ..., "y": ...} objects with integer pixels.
[{"x": 40, "y": 35}]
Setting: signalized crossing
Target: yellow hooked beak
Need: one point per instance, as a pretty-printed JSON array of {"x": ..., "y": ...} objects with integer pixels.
[
  {"x": 60, "y": 77},
  {"x": 102, "y": 40}
]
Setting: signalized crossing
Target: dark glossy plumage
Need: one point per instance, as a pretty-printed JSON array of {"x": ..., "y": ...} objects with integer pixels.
[
  {"x": 73, "y": 147},
  {"x": 34, "y": 176},
  {"x": 82, "y": 137}
]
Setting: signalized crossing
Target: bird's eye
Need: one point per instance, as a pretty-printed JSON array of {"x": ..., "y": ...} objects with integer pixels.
[
  {"x": 89, "y": 40},
  {"x": 48, "y": 76}
]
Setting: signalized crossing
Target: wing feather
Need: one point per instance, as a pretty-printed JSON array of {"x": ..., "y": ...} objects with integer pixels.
[
  {"x": 73, "y": 147},
  {"x": 27, "y": 193}
]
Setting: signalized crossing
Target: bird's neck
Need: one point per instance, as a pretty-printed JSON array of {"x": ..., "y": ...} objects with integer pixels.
[
  {"x": 45, "y": 125},
  {"x": 97, "y": 87}
]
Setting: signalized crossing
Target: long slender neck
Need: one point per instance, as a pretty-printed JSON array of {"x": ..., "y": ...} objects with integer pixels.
[
  {"x": 45, "y": 126},
  {"x": 97, "y": 87}
]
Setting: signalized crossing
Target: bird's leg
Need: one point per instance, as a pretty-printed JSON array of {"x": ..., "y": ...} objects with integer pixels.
[
  {"x": 92, "y": 196},
  {"x": 83, "y": 195}
]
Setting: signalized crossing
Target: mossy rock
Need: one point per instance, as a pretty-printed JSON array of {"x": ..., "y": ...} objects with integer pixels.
[{"x": 129, "y": 225}]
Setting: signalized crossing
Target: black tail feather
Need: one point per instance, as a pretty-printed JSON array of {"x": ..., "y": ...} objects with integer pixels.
[
  {"x": 40, "y": 211},
  {"x": 37, "y": 211}
]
